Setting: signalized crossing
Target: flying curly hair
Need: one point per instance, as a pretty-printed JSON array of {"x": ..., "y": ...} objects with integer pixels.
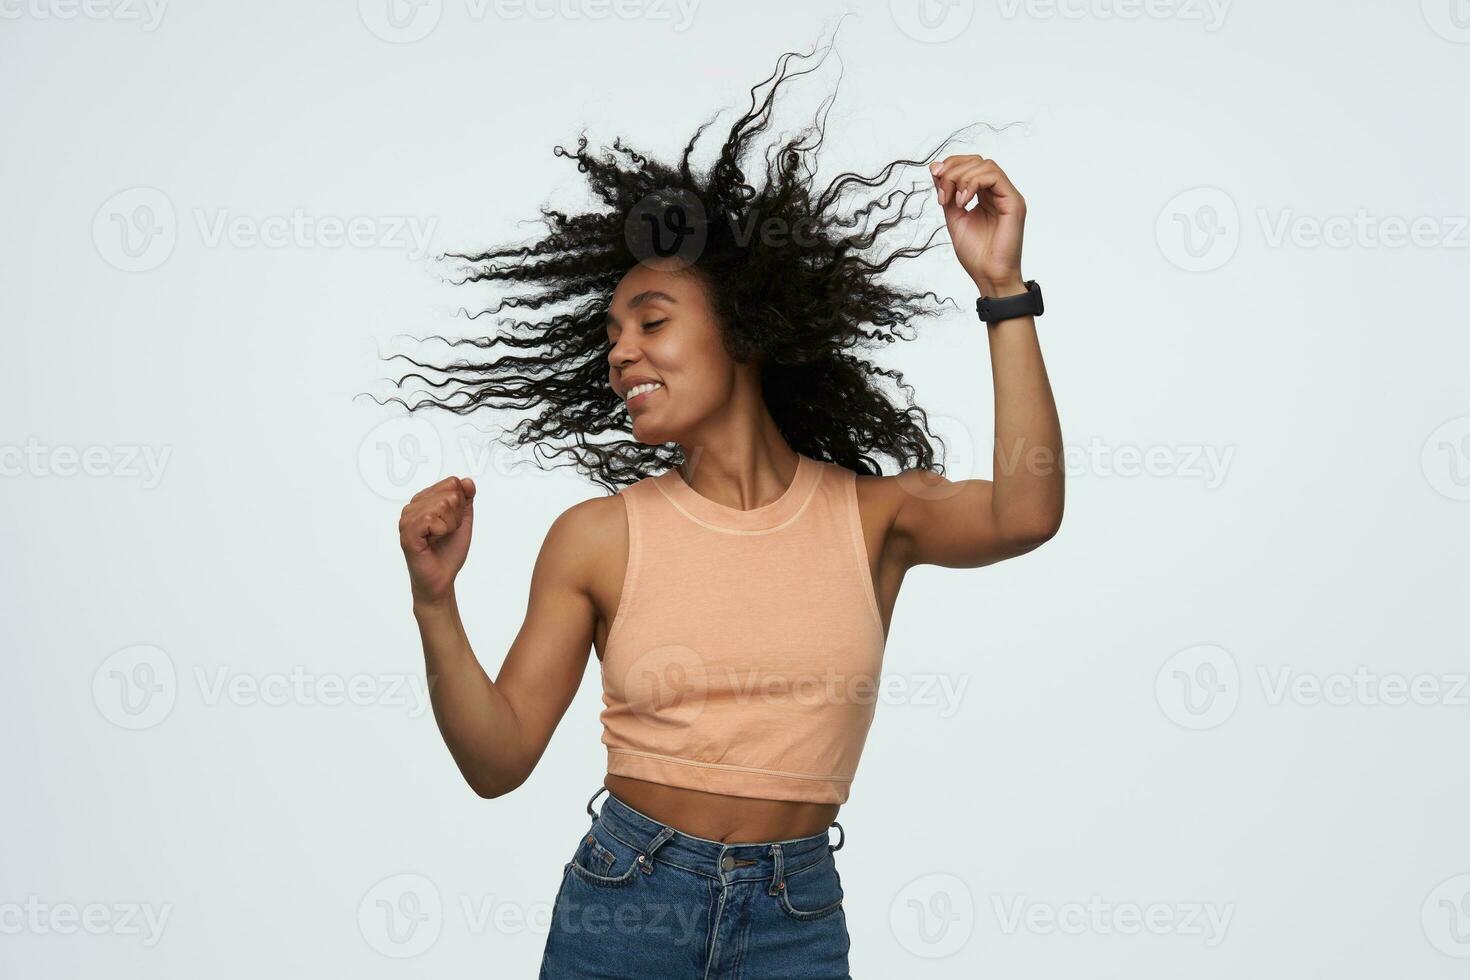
[{"x": 796, "y": 276}]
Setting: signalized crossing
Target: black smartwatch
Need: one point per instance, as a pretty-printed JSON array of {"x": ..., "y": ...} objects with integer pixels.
[{"x": 993, "y": 309}]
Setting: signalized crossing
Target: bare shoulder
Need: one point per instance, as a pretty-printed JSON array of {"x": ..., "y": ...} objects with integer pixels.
[
  {"x": 879, "y": 497},
  {"x": 897, "y": 507},
  {"x": 880, "y": 502},
  {"x": 587, "y": 527},
  {"x": 593, "y": 517},
  {"x": 586, "y": 548},
  {"x": 884, "y": 495}
]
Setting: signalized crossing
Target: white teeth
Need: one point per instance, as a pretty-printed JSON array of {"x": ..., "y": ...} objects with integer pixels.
[{"x": 637, "y": 390}]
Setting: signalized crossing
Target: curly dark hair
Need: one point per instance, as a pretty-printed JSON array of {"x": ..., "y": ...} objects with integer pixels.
[{"x": 801, "y": 302}]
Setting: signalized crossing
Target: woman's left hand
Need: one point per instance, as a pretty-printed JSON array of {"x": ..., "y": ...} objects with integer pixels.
[{"x": 986, "y": 238}]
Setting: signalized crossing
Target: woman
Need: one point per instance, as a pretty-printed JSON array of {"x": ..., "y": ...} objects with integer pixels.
[{"x": 739, "y": 585}]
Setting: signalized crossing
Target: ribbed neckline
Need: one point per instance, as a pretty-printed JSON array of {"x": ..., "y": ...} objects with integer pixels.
[{"x": 765, "y": 517}]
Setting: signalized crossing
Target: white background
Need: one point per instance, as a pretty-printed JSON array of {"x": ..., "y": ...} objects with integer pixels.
[{"x": 1121, "y": 737}]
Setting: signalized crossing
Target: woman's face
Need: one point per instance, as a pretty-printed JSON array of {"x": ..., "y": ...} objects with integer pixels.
[{"x": 667, "y": 347}]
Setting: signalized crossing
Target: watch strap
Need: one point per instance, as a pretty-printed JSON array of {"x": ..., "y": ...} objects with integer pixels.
[{"x": 993, "y": 309}]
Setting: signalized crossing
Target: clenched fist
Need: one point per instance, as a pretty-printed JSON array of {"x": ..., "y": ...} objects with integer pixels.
[{"x": 434, "y": 530}]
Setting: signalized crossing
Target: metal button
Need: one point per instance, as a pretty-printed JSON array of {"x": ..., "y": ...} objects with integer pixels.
[{"x": 728, "y": 864}]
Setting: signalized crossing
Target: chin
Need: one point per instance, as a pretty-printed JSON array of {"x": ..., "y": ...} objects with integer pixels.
[
  {"x": 646, "y": 434},
  {"x": 650, "y": 433}
]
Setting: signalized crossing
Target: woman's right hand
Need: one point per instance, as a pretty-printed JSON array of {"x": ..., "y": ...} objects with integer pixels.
[{"x": 434, "y": 531}]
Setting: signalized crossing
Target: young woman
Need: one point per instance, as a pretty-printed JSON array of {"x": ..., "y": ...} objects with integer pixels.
[{"x": 739, "y": 584}]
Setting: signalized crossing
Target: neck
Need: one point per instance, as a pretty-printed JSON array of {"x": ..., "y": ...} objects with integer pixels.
[{"x": 741, "y": 470}]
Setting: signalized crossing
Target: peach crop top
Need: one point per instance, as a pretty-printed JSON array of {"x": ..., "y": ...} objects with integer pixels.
[{"x": 746, "y": 651}]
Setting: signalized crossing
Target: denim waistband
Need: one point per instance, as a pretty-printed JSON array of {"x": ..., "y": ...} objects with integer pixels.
[{"x": 660, "y": 843}]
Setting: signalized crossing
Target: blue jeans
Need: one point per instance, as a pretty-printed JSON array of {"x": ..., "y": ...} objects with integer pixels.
[{"x": 642, "y": 901}]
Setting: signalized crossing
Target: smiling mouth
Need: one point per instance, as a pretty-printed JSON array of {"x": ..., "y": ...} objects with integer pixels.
[{"x": 636, "y": 393}]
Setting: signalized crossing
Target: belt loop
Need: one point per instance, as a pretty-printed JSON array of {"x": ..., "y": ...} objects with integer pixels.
[
  {"x": 645, "y": 860},
  {"x": 841, "y": 837},
  {"x": 590, "y": 812},
  {"x": 778, "y": 880}
]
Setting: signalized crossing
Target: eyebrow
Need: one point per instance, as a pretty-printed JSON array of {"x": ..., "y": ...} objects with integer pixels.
[{"x": 643, "y": 297}]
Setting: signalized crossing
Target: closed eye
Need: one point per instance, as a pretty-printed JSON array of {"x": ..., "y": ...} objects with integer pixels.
[{"x": 654, "y": 323}]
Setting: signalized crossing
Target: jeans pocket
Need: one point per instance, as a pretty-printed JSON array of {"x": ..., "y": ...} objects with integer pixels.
[
  {"x": 601, "y": 859},
  {"x": 812, "y": 891}
]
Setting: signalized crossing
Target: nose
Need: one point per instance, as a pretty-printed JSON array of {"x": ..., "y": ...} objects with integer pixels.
[
  {"x": 619, "y": 358},
  {"x": 622, "y": 354}
]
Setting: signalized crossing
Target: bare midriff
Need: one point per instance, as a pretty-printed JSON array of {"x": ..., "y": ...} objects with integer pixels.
[{"x": 714, "y": 816}]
